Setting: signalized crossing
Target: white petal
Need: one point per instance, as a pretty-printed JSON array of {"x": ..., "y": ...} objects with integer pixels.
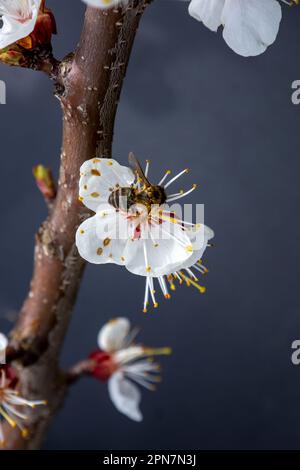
[
  {"x": 199, "y": 246},
  {"x": 99, "y": 177},
  {"x": 207, "y": 11},
  {"x": 251, "y": 26},
  {"x": 113, "y": 334},
  {"x": 162, "y": 247},
  {"x": 102, "y": 238},
  {"x": 3, "y": 342},
  {"x": 132, "y": 353},
  {"x": 3, "y": 345},
  {"x": 125, "y": 396},
  {"x": 199, "y": 236},
  {"x": 103, "y": 4},
  {"x": 13, "y": 30}
]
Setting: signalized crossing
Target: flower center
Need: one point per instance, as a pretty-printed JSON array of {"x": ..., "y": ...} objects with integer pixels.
[{"x": 103, "y": 365}]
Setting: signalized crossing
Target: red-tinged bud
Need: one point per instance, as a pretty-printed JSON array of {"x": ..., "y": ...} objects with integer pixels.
[
  {"x": 103, "y": 365},
  {"x": 44, "y": 28},
  {"x": 13, "y": 55},
  {"x": 45, "y": 181}
]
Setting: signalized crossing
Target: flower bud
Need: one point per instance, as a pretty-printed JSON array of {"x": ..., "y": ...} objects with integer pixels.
[
  {"x": 45, "y": 182},
  {"x": 103, "y": 365},
  {"x": 44, "y": 28},
  {"x": 13, "y": 55}
]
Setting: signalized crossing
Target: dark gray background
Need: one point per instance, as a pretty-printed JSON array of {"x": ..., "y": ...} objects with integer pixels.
[{"x": 188, "y": 101}]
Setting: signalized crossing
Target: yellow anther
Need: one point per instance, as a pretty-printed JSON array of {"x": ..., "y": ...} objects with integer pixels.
[
  {"x": 190, "y": 281},
  {"x": 10, "y": 421},
  {"x": 25, "y": 433},
  {"x": 157, "y": 351}
]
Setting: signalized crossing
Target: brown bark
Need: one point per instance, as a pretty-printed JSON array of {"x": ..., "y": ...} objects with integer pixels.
[{"x": 90, "y": 83}]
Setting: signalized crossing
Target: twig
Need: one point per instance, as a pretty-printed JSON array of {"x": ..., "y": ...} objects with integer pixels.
[{"x": 91, "y": 84}]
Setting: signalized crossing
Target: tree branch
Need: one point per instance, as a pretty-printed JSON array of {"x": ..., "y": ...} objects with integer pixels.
[{"x": 91, "y": 82}]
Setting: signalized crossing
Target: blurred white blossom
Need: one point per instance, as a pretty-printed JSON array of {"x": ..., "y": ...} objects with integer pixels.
[{"x": 125, "y": 365}]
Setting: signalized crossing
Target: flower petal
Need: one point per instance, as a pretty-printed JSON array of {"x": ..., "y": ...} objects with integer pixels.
[
  {"x": 199, "y": 246},
  {"x": 13, "y": 30},
  {"x": 112, "y": 335},
  {"x": 207, "y": 11},
  {"x": 99, "y": 177},
  {"x": 103, "y": 4},
  {"x": 199, "y": 236},
  {"x": 3, "y": 345},
  {"x": 125, "y": 396},
  {"x": 160, "y": 247},
  {"x": 251, "y": 26},
  {"x": 102, "y": 238}
]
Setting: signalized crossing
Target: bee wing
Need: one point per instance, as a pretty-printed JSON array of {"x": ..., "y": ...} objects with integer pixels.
[{"x": 136, "y": 167}]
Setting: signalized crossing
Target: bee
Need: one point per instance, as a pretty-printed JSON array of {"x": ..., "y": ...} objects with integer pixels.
[{"x": 148, "y": 194}]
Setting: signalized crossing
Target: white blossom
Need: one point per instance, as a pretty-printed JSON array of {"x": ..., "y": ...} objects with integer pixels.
[
  {"x": 12, "y": 404},
  {"x": 104, "y": 4},
  {"x": 18, "y": 18},
  {"x": 148, "y": 239},
  {"x": 249, "y": 26},
  {"x": 125, "y": 365}
]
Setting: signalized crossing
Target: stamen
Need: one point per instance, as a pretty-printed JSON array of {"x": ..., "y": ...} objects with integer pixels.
[
  {"x": 147, "y": 168},
  {"x": 201, "y": 289},
  {"x": 10, "y": 421},
  {"x": 14, "y": 411},
  {"x": 171, "y": 199},
  {"x": 170, "y": 279},
  {"x": 178, "y": 277},
  {"x": 152, "y": 292},
  {"x": 157, "y": 351},
  {"x": 168, "y": 172},
  {"x": 202, "y": 269},
  {"x": 163, "y": 287},
  {"x": 146, "y": 301},
  {"x": 291, "y": 3},
  {"x": 191, "y": 274},
  {"x": 183, "y": 222},
  {"x": 176, "y": 177},
  {"x": 176, "y": 194},
  {"x": 141, "y": 381}
]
